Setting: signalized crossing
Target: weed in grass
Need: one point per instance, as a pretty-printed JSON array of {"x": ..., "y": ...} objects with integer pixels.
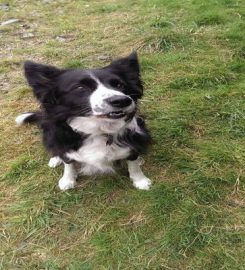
[
  {"x": 209, "y": 19},
  {"x": 74, "y": 64},
  {"x": 237, "y": 66},
  {"x": 240, "y": 54},
  {"x": 22, "y": 167},
  {"x": 109, "y": 8},
  {"x": 234, "y": 35},
  {"x": 205, "y": 189},
  {"x": 198, "y": 82},
  {"x": 161, "y": 23},
  {"x": 79, "y": 266},
  {"x": 166, "y": 42},
  {"x": 22, "y": 92}
]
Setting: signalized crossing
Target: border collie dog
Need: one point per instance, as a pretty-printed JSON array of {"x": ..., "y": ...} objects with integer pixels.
[{"x": 88, "y": 118}]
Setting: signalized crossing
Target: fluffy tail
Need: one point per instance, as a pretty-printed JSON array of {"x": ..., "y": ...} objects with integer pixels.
[{"x": 29, "y": 117}]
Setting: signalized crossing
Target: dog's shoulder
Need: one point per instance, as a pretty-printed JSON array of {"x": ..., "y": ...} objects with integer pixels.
[
  {"x": 136, "y": 136},
  {"x": 59, "y": 138}
]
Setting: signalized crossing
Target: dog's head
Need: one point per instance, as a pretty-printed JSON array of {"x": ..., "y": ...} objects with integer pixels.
[{"x": 106, "y": 93}]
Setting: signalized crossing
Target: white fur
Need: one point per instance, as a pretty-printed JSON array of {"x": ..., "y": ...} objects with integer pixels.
[
  {"x": 68, "y": 179},
  {"x": 97, "y": 155},
  {"x": 95, "y": 125},
  {"x": 54, "y": 162},
  {"x": 97, "y": 99},
  {"x": 134, "y": 126},
  {"x": 20, "y": 119},
  {"x": 140, "y": 181}
]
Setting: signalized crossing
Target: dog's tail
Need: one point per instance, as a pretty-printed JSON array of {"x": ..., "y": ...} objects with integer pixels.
[{"x": 28, "y": 117}]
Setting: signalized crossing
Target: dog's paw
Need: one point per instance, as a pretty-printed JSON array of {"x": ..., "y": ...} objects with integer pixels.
[
  {"x": 54, "y": 162},
  {"x": 143, "y": 183},
  {"x": 65, "y": 183}
]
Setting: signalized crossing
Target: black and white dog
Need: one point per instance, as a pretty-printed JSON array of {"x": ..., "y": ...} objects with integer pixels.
[{"x": 88, "y": 117}]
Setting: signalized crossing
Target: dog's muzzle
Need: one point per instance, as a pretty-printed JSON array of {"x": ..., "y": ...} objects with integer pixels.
[
  {"x": 120, "y": 105},
  {"x": 119, "y": 101}
]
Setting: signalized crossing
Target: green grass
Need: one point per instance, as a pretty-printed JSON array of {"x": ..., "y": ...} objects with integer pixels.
[{"x": 192, "y": 58}]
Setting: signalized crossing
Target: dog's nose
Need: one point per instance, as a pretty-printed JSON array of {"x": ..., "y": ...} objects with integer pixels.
[{"x": 119, "y": 101}]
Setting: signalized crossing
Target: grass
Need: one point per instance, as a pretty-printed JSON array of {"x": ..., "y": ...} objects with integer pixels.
[{"x": 192, "y": 57}]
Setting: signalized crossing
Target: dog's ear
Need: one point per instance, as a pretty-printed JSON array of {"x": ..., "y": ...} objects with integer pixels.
[
  {"x": 129, "y": 69},
  {"x": 43, "y": 80}
]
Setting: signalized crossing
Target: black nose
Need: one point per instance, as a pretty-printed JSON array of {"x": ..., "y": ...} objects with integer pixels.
[{"x": 119, "y": 101}]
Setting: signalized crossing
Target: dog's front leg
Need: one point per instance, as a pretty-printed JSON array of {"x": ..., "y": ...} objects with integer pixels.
[
  {"x": 140, "y": 181},
  {"x": 68, "y": 179},
  {"x": 55, "y": 161}
]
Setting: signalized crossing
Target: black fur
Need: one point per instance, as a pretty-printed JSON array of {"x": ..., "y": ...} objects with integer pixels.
[
  {"x": 64, "y": 94},
  {"x": 128, "y": 69},
  {"x": 138, "y": 142},
  {"x": 59, "y": 138},
  {"x": 35, "y": 117}
]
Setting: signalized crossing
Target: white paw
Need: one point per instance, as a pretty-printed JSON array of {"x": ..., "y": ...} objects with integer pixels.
[
  {"x": 143, "y": 183},
  {"x": 54, "y": 162},
  {"x": 66, "y": 183}
]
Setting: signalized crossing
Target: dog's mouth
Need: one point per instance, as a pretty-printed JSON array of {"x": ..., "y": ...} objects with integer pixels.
[{"x": 113, "y": 115}]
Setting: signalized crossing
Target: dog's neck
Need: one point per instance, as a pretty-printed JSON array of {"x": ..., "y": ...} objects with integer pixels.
[{"x": 95, "y": 126}]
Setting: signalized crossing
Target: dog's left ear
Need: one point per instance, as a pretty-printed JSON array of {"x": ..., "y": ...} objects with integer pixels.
[
  {"x": 129, "y": 69},
  {"x": 42, "y": 79}
]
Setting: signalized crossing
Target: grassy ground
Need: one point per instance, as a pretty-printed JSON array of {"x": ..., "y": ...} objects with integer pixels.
[{"x": 192, "y": 55}]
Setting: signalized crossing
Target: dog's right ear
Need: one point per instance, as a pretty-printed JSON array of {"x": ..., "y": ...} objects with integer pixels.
[
  {"x": 128, "y": 68},
  {"x": 43, "y": 80}
]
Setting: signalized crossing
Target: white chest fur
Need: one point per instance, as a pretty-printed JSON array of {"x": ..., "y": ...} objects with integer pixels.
[
  {"x": 94, "y": 125},
  {"x": 98, "y": 156}
]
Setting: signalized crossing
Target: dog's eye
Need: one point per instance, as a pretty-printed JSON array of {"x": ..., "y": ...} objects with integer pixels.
[
  {"x": 88, "y": 84},
  {"x": 116, "y": 84}
]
